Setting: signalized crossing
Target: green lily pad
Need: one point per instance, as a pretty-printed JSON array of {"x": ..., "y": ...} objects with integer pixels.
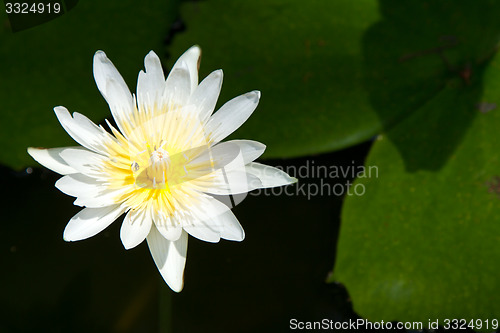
[
  {"x": 414, "y": 52},
  {"x": 51, "y": 64},
  {"x": 305, "y": 57},
  {"x": 422, "y": 242}
]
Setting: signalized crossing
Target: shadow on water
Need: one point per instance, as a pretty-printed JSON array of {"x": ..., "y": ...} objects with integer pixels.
[{"x": 424, "y": 64}]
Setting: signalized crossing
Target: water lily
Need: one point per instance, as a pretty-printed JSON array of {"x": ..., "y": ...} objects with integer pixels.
[{"x": 164, "y": 165}]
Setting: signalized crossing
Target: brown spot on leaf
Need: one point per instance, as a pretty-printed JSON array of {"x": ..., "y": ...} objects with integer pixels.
[
  {"x": 485, "y": 106},
  {"x": 494, "y": 185}
]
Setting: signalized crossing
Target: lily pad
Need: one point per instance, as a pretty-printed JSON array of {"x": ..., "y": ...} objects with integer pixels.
[
  {"x": 305, "y": 57},
  {"x": 51, "y": 64},
  {"x": 411, "y": 56},
  {"x": 422, "y": 242}
]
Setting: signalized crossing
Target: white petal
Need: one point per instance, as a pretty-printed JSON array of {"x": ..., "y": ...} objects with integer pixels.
[
  {"x": 178, "y": 86},
  {"x": 151, "y": 84},
  {"x": 168, "y": 227},
  {"x": 90, "y": 221},
  {"x": 89, "y": 191},
  {"x": 198, "y": 219},
  {"x": 208, "y": 160},
  {"x": 250, "y": 150},
  {"x": 230, "y": 228},
  {"x": 50, "y": 159},
  {"x": 214, "y": 220},
  {"x": 206, "y": 94},
  {"x": 83, "y": 130},
  {"x": 192, "y": 59},
  {"x": 154, "y": 72},
  {"x": 232, "y": 115},
  {"x": 169, "y": 257},
  {"x": 231, "y": 200},
  {"x": 121, "y": 104},
  {"x": 221, "y": 169},
  {"x": 207, "y": 220},
  {"x": 135, "y": 227},
  {"x": 269, "y": 176},
  {"x": 228, "y": 182},
  {"x": 84, "y": 161},
  {"x": 105, "y": 70},
  {"x": 217, "y": 157},
  {"x": 104, "y": 197},
  {"x": 113, "y": 88},
  {"x": 199, "y": 229}
]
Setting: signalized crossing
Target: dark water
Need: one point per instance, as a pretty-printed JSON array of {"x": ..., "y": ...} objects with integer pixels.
[{"x": 276, "y": 274}]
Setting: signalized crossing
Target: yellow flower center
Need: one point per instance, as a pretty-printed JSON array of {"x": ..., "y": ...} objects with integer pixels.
[
  {"x": 150, "y": 169},
  {"x": 154, "y": 163}
]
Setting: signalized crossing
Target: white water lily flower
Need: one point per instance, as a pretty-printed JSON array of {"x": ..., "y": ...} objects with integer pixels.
[{"x": 164, "y": 166}]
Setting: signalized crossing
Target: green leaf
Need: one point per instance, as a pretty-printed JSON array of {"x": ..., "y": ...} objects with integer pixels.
[
  {"x": 422, "y": 242},
  {"x": 414, "y": 52},
  {"x": 305, "y": 57},
  {"x": 51, "y": 64}
]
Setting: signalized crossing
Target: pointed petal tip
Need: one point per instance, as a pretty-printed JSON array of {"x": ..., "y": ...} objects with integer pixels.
[
  {"x": 176, "y": 288},
  {"x": 259, "y": 145},
  {"x": 36, "y": 153},
  {"x": 217, "y": 76},
  {"x": 32, "y": 150},
  {"x": 151, "y": 58},
  {"x": 169, "y": 257},
  {"x": 59, "y": 109},
  {"x": 253, "y": 95},
  {"x": 51, "y": 159},
  {"x": 288, "y": 180},
  {"x": 127, "y": 246},
  {"x": 194, "y": 48},
  {"x": 67, "y": 237},
  {"x": 194, "y": 53},
  {"x": 59, "y": 183},
  {"x": 62, "y": 114},
  {"x": 151, "y": 54},
  {"x": 100, "y": 57},
  {"x": 237, "y": 237},
  {"x": 99, "y": 54}
]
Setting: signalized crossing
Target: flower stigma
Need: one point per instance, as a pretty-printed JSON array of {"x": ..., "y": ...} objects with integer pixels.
[{"x": 150, "y": 168}]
